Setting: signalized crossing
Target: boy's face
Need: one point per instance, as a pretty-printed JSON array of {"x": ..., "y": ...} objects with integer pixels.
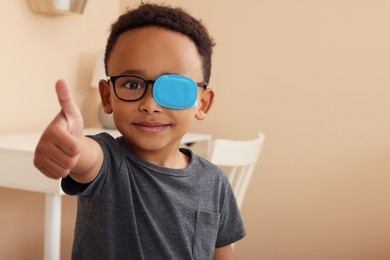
[{"x": 151, "y": 52}]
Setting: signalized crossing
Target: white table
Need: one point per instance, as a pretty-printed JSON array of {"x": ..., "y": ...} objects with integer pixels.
[{"x": 16, "y": 157}]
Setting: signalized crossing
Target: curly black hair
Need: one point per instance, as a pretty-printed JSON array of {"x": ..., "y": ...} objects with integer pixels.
[{"x": 174, "y": 19}]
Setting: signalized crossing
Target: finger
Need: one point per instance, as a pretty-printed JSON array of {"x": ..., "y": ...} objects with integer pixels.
[
  {"x": 50, "y": 168},
  {"x": 61, "y": 139},
  {"x": 57, "y": 155},
  {"x": 44, "y": 171},
  {"x": 66, "y": 101},
  {"x": 53, "y": 173},
  {"x": 52, "y": 161}
]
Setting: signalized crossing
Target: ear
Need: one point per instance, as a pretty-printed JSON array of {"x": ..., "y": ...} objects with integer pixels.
[
  {"x": 205, "y": 103},
  {"x": 105, "y": 96}
]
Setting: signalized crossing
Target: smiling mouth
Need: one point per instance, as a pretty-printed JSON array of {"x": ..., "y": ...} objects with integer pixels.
[{"x": 151, "y": 128}]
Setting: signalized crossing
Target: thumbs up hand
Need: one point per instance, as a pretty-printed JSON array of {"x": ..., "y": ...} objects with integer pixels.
[{"x": 58, "y": 150}]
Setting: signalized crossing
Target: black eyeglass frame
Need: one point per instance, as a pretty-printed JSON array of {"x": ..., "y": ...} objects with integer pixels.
[{"x": 113, "y": 79}]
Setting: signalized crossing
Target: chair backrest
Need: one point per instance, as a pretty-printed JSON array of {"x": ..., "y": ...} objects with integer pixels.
[{"x": 238, "y": 159}]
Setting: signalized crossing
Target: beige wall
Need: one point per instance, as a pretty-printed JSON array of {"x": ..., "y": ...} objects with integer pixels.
[
  {"x": 35, "y": 51},
  {"x": 313, "y": 75}
]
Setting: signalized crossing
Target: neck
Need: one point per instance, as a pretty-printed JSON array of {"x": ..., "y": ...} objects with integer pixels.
[{"x": 167, "y": 158}]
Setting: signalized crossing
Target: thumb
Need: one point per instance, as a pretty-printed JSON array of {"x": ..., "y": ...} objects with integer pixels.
[
  {"x": 69, "y": 108},
  {"x": 64, "y": 97}
]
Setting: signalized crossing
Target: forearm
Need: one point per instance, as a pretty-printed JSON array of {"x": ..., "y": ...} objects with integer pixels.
[{"x": 89, "y": 162}]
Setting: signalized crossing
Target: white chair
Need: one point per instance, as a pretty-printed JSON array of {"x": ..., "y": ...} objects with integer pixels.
[{"x": 238, "y": 159}]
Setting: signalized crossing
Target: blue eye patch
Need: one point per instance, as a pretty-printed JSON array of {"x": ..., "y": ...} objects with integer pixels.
[{"x": 175, "y": 91}]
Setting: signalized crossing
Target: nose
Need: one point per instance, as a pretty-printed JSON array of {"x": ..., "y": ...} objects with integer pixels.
[{"x": 148, "y": 104}]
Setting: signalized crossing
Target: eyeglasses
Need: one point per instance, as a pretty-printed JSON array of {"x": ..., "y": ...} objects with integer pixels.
[{"x": 170, "y": 91}]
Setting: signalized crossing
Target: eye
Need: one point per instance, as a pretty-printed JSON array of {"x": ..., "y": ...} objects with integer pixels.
[{"x": 133, "y": 85}]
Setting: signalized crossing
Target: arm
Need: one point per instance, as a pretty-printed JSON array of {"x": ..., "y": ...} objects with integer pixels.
[
  {"x": 223, "y": 253},
  {"x": 63, "y": 149}
]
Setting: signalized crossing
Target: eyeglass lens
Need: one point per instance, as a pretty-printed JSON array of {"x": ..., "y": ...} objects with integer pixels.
[{"x": 130, "y": 87}]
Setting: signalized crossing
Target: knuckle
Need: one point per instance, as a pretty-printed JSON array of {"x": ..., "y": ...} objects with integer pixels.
[{"x": 59, "y": 174}]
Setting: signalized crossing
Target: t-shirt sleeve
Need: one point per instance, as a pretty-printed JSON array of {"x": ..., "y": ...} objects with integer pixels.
[
  {"x": 101, "y": 182},
  {"x": 231, "y": 227}
]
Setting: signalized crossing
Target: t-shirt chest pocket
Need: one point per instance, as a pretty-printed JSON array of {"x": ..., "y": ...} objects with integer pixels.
[{"x": 206, "y": 230}]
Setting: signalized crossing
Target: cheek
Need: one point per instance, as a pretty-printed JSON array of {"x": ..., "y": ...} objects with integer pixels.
[
  {"x": 118, "y": 115},
  {"x": 190, "y": 117},
  {"x": 191, "y": 112},
  {"x": 184, "y": 116},
  {"x": 122, "y": 109}
]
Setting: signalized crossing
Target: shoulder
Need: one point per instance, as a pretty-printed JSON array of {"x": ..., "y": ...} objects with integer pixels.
[
  {"x": 207, "y": 168},
  {"x": 103, "y": 138},
  {"x": 211, "y": 178},
  {"x": 110, "y": 145}
]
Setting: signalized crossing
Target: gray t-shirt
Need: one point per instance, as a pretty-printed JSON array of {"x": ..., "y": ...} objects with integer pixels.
[{"x": 137, "y": 210}]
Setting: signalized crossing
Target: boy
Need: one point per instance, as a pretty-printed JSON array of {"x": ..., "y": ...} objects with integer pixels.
[{"x": 140, "y": 196}]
